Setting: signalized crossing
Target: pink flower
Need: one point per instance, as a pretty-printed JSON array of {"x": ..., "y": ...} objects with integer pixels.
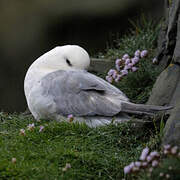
[
  {"x": 138, "y": 163},
  {"x": 174, "y": 150},
  {"x": 125, "y": 56},
  {"x": 149, "y": 158},
  {"x": 30, "y": 127},
  {"x": 135, "y": 169},
  {"x": 22, "y": 132},
  {"x": 130, "y": 65},
  {"x": 70, "y": 117},
  {"x": 111, "y": 71},
  {"x": 154, "y": 60},
  {"x": 155, "y": 163},
  {"x": 118, "y": 78},
  {"x": 167, "y": 147},
  {"x": 126, "y": 67},
  {"x": 41, "y": 128},
  {"x": 109, "y": 79},
  {"x": 67, "y": 166},
  {"x": 154, "y": 154},
  {"x": 144, "y": 164},
  {"x": 114, "y": 75},
  {"x": 150, "y": 169},
  {"x": 118, "y": 61},
  {"x": 165, "y": 151},
  {"x": 135, "y": 60},
  {"x": 134, "y": 69},
  {"x": 144, "y": 53},
  {"x": 127, "y": 61},
  {"x": 167, "y": 176},
  {"x": 137, "y": 53},
  {"x": 144, "y": 154},
  {"x": 118, "y": 67},
  {"x": 13, "y": 160},
  {"x": 124, "y": 72},
  {"x": 131, "y": 165},
  {"x": 127, "y": 169}
]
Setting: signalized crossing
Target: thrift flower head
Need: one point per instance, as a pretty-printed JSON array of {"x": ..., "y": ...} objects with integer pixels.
[
  {"x": 149, "y": 158},
  {"x": 134, "y": 69},
  {"x": 167, "y": 147},
  {"x": 144, "y": 164},
  {"x": 114, "y": 75},
  {"x": 22, "y": 132},
  {"x": 137, "y": 53},
  {"x": 118, "y": 67},
  {"x": 118, "y": 78},
  {"x": 70, "y": 117},
  {"x": 130, "y": 65},
  {"x": 167, "y": 176},
  {"x": 155, "y": 163},
  {"x": 13, "y": 160},
  {"x": 127, "y": 169},
  {"x": 137, "y": 163},
  {"x": 135, "y": 169},
  {"x": 30, "y": 127},
  {"x": 135, "y": 60},
  {"x": 126, "y": 56},
  {"x": 144, "y": 154},
  {"x": 144, "y": 53},
  {"x": 174, "y": 150},
  {"x": 67, "y": 166},
  {"x": 126, "y": 67},
  {"x": 127, "y": 61},
  {"x": 111, "y": 71},
  {"x": 150, "y": 169},
  {"x": 154, "y": 154},
  {"x": 118, "y": 61},
  {"x": 154, "y": 60},
  {"x": 41, "y": 128},
  {"x": 124, "y": 72},
  {"x": 109, "y": 79}
]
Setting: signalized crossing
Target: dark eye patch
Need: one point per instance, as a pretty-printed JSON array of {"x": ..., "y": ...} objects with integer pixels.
[{"x": 68, "y": 62}]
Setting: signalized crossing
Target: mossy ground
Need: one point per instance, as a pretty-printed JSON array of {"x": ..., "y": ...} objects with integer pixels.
[{"x": 99, "y": 153}]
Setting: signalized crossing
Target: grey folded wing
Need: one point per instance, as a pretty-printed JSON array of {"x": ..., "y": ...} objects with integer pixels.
[{"x": 82, "y": 94}]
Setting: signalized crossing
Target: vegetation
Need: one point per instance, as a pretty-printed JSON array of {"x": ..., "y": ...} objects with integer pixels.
[{"x": 75, "y": 151}]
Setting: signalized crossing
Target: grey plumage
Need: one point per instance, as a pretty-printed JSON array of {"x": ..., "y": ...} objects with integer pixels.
[{"x": 82, "y": 94}]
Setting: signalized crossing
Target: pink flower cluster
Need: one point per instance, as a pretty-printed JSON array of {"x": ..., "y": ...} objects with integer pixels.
[
  {"x": 70, "y": 117},
  {"x": 30, "y": 127},
  {"x": 124, "y": 65},
  {"x": 149, "y": 160}
]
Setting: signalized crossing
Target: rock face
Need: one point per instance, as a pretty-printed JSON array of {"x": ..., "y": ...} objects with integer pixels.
[{"x": 166, "y": 90}]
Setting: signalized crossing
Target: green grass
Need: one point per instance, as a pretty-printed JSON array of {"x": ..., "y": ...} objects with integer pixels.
[{"x": 99, "y": 153}]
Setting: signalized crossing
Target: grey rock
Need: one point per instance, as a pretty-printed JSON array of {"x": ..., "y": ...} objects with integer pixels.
[
  {"x": 167, "y": 91},
  {"x": 100, "y": 65},
  {"x": 176, "y": 50},
  {"x": 172, "y": 128},
  {"x": 165, "y": 86}
]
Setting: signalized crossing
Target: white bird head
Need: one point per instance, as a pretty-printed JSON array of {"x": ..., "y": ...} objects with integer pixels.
[{"x": 68, "y": 57}]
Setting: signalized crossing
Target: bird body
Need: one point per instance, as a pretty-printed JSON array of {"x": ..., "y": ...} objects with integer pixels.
[{"x": 57, "y": 84}]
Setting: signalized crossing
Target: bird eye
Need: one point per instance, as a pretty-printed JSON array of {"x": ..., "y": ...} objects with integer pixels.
[{"x": 68, "y": 62}]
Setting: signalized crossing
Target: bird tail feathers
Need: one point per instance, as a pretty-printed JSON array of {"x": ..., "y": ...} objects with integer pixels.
[{"x": 142, "y": 109}]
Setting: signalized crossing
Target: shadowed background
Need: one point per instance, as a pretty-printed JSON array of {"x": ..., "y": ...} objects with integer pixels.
[{"x": 30, "y": 28}]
